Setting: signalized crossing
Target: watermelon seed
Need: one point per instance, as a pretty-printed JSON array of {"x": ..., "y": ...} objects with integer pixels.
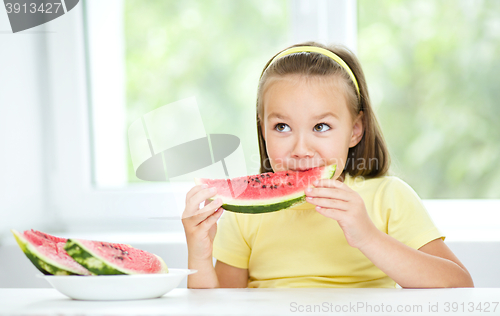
[
  {"x": 119, "y": 257},
  {"x": 257, "y": 180},
  {"x": 289, "y": 183},
  {"x": 275, "y": 186},
  {"x": 264, "y": 186}
]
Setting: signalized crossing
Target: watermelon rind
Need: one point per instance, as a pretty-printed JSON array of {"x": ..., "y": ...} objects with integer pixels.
[
  {"x": 264, "y": 208},
  {"x": 41, "y": 262},
  {"x": 96, "y": 264},
  {"x": 273, "y": 204},
  {"x": 92, "y": 262}
]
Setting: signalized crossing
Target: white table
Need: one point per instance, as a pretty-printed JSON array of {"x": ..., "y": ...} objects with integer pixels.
[{"x": 262, "y": 302}]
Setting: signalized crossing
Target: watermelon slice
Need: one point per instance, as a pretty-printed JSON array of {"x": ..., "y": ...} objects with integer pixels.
[
  {"x": 47, "y": 253},
  {"x": 104, "y": 258},
  {"x": 267, "y": 192}
]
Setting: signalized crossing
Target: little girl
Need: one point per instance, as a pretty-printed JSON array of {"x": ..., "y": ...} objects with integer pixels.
[{"x": 362, "y": 228}]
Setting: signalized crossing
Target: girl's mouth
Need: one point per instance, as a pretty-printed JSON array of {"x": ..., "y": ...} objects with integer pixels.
[{"x": 301, "y": 170}]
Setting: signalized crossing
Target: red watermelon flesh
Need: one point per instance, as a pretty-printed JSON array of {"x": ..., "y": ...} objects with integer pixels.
[
  {"x": 43, "y": 237},
  {"x": 266, "y": 192},
  {"x": 47, "y": 253},
  {"x": 112, "y": 258}
]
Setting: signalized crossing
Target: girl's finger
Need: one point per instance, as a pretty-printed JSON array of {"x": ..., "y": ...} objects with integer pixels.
[
  {"x": 194, "y": 190},
  {"x": 328, "y": 203},
  {"x": 332, "y": 193},
  {"x": 330, "y": 183},
  {"x": 335, "y": 214},
  {"x": 200, "y": 215},
  {"x": 210, "y": 207},
  {"x": 212, "y": 219},
  {"x": 193, "y": 203}
]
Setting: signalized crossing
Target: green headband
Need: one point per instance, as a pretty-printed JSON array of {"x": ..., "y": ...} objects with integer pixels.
[{"x": 322, "y": 51}]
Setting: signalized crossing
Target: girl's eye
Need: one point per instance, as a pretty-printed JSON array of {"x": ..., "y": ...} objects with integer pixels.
[
  {"x": 281, "y": 127},
  {"x": 321, "y": 127}
]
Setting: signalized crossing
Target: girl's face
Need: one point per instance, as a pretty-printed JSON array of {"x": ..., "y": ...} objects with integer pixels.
[{"x": 307, "y": 123}]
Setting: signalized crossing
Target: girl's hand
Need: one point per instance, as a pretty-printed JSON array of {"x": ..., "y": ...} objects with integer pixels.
[
  {"x": 336, "y": 200},
  {"x": 200, "y": 225}
]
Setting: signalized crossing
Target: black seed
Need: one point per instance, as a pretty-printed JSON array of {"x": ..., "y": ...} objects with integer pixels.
[
  {"x": 275, "y": 186},
  {"x": 289, "y": 183},
  {"x": 287, "y": 174},
  {"x": 262, "y": 176},
  {"x": 119, "y": 257},
  {"x": 257, "y": 180}
]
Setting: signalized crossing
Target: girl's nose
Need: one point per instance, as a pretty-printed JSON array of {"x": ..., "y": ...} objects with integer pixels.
[{"x": 301, "y": 149}]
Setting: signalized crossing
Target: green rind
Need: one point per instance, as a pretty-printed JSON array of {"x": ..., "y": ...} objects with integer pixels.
[
  {"x": 89, "y": 261},
  {"x": 46, "y": 268},
  {"x": 273, "y": 207},
  {"x": 258, "y": 209},
  {"x": 43, "y": 266}
]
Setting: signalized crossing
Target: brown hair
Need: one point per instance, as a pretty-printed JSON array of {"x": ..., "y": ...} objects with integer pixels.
[{"x": 372, "y": 145}]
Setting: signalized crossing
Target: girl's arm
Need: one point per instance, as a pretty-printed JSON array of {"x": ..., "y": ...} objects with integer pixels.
[
  {"x": 205, "y": 278},
  {"x": 223, "y": 276},
  {"x": 231, "y": 277},
  {"x": 433, "y": 265},
  {"x": 200, "y": 226}
]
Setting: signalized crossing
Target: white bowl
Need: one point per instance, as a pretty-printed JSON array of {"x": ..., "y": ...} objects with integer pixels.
[{"x": 117, "y": 287}]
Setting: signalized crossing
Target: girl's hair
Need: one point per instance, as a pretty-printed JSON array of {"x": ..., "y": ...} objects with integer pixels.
[{"x": 370, "y": 157}]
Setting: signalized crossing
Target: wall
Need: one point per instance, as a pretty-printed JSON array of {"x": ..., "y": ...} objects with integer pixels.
[{"x": 22, "y": 77}]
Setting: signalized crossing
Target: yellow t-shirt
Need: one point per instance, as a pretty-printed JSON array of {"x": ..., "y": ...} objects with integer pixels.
[{"x": 299, "y": 247}]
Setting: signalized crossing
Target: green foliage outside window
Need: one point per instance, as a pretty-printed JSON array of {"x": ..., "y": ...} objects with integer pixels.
[{"x": 432, "y": 68}]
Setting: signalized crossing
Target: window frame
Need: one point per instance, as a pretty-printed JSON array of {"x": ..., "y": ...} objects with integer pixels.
[{"x": 81, "y": 205}]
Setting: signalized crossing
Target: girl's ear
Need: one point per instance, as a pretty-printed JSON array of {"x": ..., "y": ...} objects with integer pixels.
[{"x": 357, "y": 130}]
